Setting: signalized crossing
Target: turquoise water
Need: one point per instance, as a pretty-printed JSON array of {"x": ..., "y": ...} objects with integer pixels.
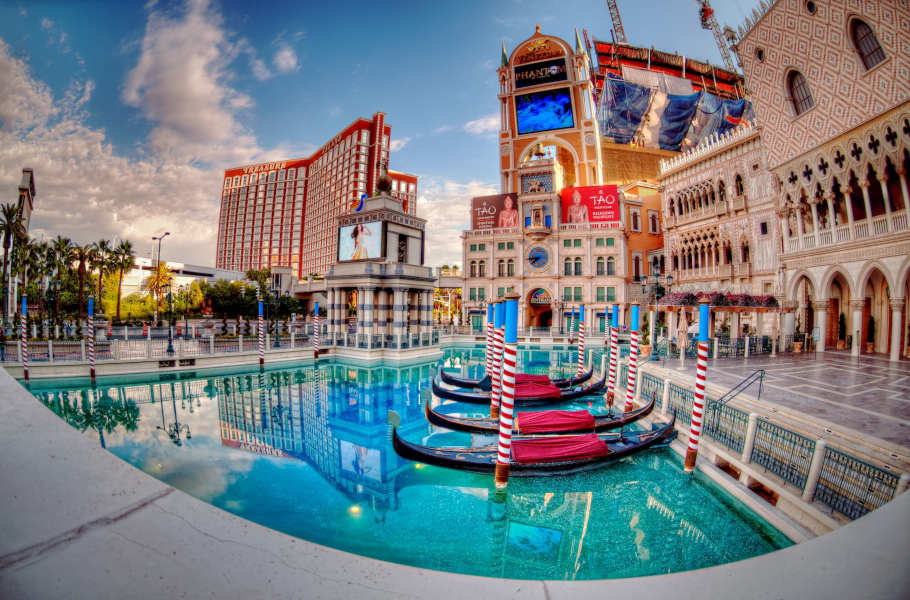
[{"x": 308, "y": 454}]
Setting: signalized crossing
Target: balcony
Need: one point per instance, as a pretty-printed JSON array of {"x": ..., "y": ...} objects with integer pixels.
[
  {"x": 483, "y": 233},
  {"x": 881, "y": 225}
]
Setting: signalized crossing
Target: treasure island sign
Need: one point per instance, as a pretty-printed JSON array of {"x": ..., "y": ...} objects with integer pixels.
[
  {"x": 541, "y": 296},
  {"x": 539, "y": 49}
]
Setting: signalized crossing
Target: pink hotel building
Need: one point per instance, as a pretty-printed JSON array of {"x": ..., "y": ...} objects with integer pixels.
[{"x": 282, "y": 213}]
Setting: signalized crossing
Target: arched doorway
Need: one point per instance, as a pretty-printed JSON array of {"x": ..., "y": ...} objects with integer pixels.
[
  {"x": 876, "y": 316},
  {"x": 837, "y": 328},
  {"x": 540, "y": 312}
]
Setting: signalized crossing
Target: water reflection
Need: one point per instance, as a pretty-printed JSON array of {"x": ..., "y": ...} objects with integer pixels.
[{"x": 306, "y": 451}]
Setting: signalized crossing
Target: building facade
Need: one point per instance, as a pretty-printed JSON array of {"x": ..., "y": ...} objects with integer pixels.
[
  {"x": 282, "y": 213},
  {"x": 561, "y": 233},
  {"x": 719, "y": 214},
  {"x": 830, "y": 82}
]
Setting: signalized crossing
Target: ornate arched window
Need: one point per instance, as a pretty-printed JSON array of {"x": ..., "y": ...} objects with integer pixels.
[
  {"x": 611, "y": 266},
  {"x": 578, "y": 265},
  {"x": 739, "y": 185},
  {"x": 600, "y": 266},
  {"x": 473, "y": 268},
  {"x": 501, "y": 268},
  {"x": 867, "y": 46},
  {"x": 510, "y": 268},
  {"x": 567, "y": 267},
  {"x": 798, "y": 89},
  {"x": 482, "y": 268},
  {"x": 721, "y": 192}
]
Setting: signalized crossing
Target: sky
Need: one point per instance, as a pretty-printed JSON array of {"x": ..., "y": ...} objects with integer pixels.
[{"x": 130, "y": 113}]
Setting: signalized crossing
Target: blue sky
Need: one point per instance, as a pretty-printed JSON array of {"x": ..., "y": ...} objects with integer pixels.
[{"x": 129, "y": 113}]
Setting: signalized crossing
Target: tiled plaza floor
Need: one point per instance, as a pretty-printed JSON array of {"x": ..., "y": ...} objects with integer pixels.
[{"x": 869, "y": 394}]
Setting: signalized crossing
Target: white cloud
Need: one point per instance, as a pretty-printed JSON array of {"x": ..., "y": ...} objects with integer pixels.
[
  {"x": 180, "y": 83},
  {"x": 487, "y": 124},
  {"x": 46, "y": 23},
  {"x": 26, "y": 102},
  {"x": 443, "y": 129},
  {"x": 446, "y": 205},
  {"x": 285, "y": 59},
  {"x": 398, "y": 144}
]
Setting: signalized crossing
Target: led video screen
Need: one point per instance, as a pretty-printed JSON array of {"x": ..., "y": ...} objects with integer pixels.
[
  {"x": 361, "y": 241},
  {"x": 544, "y": 111}
]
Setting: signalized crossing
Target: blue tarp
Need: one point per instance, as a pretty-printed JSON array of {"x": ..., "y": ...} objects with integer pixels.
[{"x": 666, "y": 121}]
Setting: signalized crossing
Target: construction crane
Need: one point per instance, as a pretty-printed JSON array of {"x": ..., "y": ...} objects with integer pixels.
[
  {"x": 618, "y": 32},
  {"x": 708, "y": 21}
]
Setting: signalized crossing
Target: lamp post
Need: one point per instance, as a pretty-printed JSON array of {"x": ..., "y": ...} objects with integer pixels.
[
  {"x": 276, "y": 293},
  {"x": 157, "y": 272},
  {"x": 170, "y": 327},
  {"x": 173, "y": 430},
  {"x": 657, "y": 286},
  {"x": 558, "y": 304}
]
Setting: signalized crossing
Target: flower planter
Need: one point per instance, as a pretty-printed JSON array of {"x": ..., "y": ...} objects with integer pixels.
[
  {"x": 841, "y": 344},
  {"x": 797, "y": 347},
  {"x": 870, "y": 347},
  {"x": 644, "y": 351}
]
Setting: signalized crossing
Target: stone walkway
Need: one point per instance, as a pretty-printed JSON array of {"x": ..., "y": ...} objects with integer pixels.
[{"x": 868, "y": 394}]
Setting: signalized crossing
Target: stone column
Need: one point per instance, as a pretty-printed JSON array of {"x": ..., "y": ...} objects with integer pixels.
[
  {"x": 368, "y": 314},
  {"x": 734, "y": 325},
  {"x": 848, "y": 204},
  {"x": 829, "y": 200},
  {"x": 331, "y": 312},
  {"x": 897, "y": 313},
  {"x": 814, "y": 204},
  {"x": 856, "y": 325},
  {"x": 886, "y": 196},
  {"x": 399, "y": 316},
  {"x": 672, "y": 322},
  {"x": 902, "y": 176},
  {"x": 821, "y": 320},
  {"x": 652, "y": 324},
  {"x": 864, "y": 185}
]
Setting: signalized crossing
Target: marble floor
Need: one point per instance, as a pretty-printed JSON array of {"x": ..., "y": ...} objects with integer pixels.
[{"x": 869, "y": 394}]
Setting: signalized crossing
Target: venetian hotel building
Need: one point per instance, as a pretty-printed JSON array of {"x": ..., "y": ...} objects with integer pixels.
[{"x": 282, "y": 213}]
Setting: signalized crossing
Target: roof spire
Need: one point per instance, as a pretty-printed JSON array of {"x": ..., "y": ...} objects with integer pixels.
[
  {"x": 578, "y": 48},
  {"x": 505, "y": 58}
]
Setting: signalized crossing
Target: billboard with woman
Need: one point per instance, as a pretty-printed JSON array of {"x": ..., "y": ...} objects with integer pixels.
[{"x": 360, "y": 241}]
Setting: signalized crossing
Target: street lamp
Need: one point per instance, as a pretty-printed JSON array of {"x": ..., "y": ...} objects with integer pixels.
[
  {"x": 658, "y": 285},
  {"x": 173, "y": 430},
  {"x": 157, "y": 272},
  {"x": 559, "y": 305},
  {"x": 276, "y": 293},
  {"x": 170, "y": 327}
]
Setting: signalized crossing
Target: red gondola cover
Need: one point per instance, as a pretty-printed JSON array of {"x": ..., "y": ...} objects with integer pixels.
[
  {"x": 555, "y": 449},
  {"x": 554, "y": 420},
  {"x": 530, "y": 378},
  {"x": 537, "y": 390}
]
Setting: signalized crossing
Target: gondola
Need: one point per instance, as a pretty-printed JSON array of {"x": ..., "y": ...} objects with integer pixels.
[
  {"x": 485, "y": 385},
  {"x": 548, "y": 421},
  {"x": 525, "y": 394},
  {"x": 536, "y": 456}
]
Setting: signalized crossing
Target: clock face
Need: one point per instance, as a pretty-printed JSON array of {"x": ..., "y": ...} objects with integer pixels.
[{"x": 538, "y": 257}]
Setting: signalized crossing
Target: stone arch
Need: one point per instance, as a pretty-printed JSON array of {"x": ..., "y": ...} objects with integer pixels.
[
  {"x": 868, "y": 268},
  {"x": 795, "y": 280},
  {"x": 828, "y": 278},
  {"x": 903, "y": 274},
  {"x": 561, "y": 147}
]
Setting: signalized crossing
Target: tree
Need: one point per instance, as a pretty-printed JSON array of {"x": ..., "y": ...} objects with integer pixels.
[
  {"x": 11, "y": 227},
  {"x": 158, "y": 281},
  {"x": 101, "y": 262},
  {"x": 260, "y": 277},
  {"x": 83, "y": 254},
  {"x": 63, "y": 256},
  {"x": 125, "y": 260}
]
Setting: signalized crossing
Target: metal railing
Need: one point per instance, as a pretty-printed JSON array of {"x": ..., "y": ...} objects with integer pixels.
[
  {"x": 851, "y": 486},
  {"x": 785, "y": 453},
  {"x": 652, "y": 385},
  {"x": 757, "y": 375}
]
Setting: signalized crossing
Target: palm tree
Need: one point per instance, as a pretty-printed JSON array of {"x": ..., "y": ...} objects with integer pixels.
[
  {"x": 261, "y": 277},
  {"x": 101, "y": 261},
  {"x": 11, "y": 227},
  {"x": 158, "y": 281},
  {"x": 125, "y": 260},
  {"x": 63, "y": 254},
  {"x": 83, "y": 254}
]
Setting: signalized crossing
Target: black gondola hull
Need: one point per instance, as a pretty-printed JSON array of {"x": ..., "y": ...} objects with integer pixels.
[
  {"x": 491, "y": 426},
  {"x": 483, "y": 460},
  {"x": 484, "y": 397},
  {"x": 484, "y": 384}
]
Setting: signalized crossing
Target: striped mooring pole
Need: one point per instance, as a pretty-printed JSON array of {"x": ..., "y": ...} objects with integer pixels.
[
  {"x": 499, "y": 309},
  {"x": 261, "y": 339},
  {"x": 24, "y": 337},
  {"x": 701, "y": 372},
  {"x": 315, "y": 330},
  {"x": 489, "y": 345},
  {"x": 572, "y": 325},
  {"x": 581, "y": 339},
  {"x": 633, "y": 357},
  {"x": 614, "y": 355},
  {"x": 91, "y": 338},
  {"x": 509, "y": 358}
]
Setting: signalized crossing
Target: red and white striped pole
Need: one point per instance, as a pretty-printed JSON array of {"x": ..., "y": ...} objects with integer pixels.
[
  {"x": 572, "y": 325},
  {"x": 261, "y": 339},
  {"x": 496, "y": 378},
  {"x": 614, "y": 354},
  {"x": 633, "y": 358},
  {"x": 315, "y": 330},
  {"x": 701, "y": 372},
  {"x": 91, "y": 338},
  {"x": 24, "y": 337},
  {"x": 581, "y": 340},
  {"x": 489, "y": 346},
  {"x": 509, "y": 358}
]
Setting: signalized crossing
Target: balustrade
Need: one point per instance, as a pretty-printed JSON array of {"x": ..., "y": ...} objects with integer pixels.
[
  {"x": 861, "y": 230},
  {"x": 880, "y": 225}
]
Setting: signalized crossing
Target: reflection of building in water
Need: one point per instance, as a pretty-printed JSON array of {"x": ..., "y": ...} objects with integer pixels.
[{"x": 335, "y": 420}]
